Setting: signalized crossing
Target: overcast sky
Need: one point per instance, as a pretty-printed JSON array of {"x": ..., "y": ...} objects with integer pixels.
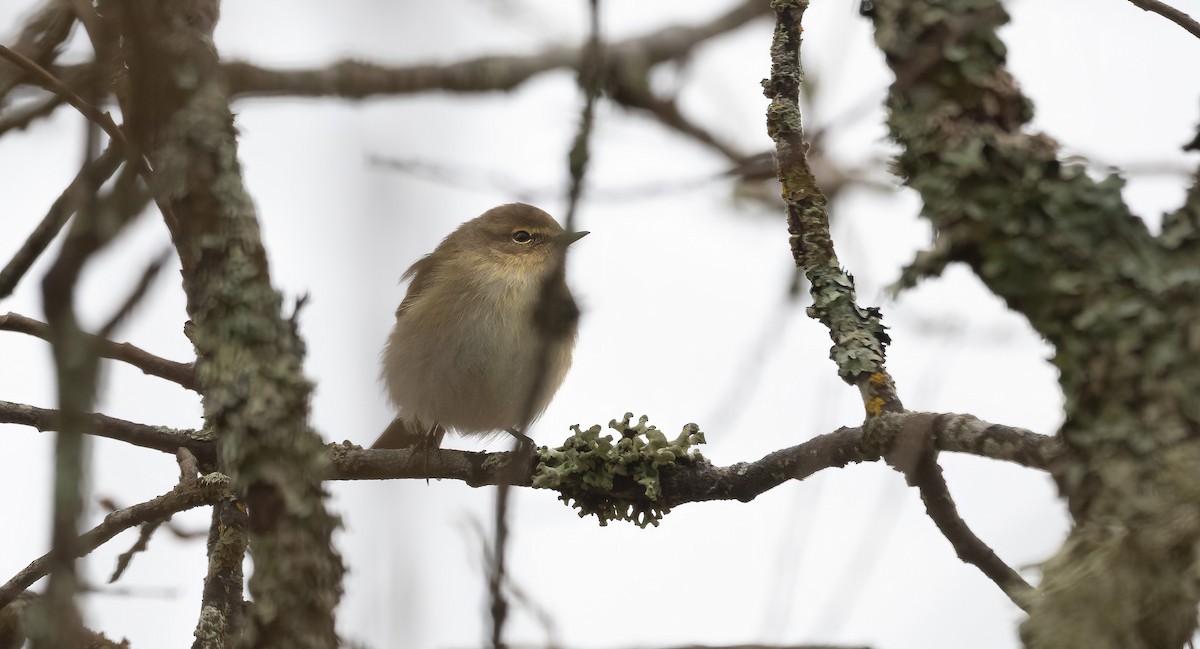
[{"x": 684, "y": 320}]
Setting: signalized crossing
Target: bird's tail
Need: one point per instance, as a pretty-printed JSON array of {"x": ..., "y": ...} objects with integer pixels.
[{"x": 403, "y": 433}]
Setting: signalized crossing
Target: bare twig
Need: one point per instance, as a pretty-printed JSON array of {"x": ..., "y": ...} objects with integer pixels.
[
  {"x": 182, "y": 373},
  {"x": 19, "y": 119},
  {"x": 184, "y": 496},
  {"x": 590, "y": 70},
  {"x": 914, "y": 454},
  {"x": 136, "y": 295},
  {"x": 358, "y": 80},
  {"x": 60, "y": 211},
  {"x": 1170, "y": 13},
  {"x": 158, "y": 438},
  {"x": 51, "y": 83},
  {"x": 39, "y": 40},
  {"x": 147, "y": 530}
]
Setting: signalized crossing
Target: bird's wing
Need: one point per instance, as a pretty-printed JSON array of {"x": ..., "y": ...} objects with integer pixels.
[{"x": 421, "y": 273}]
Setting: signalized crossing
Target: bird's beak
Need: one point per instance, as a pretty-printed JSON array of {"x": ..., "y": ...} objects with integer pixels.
[{"x": 567, "y": 238}]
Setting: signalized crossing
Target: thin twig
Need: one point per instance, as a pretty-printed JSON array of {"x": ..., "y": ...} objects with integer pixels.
[
  {"x": 913, "y": 452},
  {"x": 54, "y": 85},
  {"x": 182, "y": 373},
  {"x": 147, "y": 530},
  {"x": 353, "y": 79},
  {"x": 136, "y": 295},
  {"x": 590, "y": 70},
  {"x": 21, "y": 118},
  {"x": 184, "y": 496},
  {"x": 56, "y": 217},
  {"x": 1170, "y": 13},
  {"x": 158, "y": 438},
  {"x": 40, "y": 39}
]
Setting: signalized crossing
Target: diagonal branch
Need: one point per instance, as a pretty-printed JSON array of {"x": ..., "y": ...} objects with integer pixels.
[
  {"x": 98, "y": 170},
  {"x": 913, "y": 452},
  {"x": 185, "y": 495},
  {"x": 182, "y": 373},
  {"x": 1170, "y": 13},
  {"x": 51, "y": 83}
]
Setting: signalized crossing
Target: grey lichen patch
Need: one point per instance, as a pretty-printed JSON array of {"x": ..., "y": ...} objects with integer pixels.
[
  {"x": 210, "y": 631},
  {"x": 214, "y": 479},
  {"x": 337, "y": 452},
  {"x": 589, "y": 467}
]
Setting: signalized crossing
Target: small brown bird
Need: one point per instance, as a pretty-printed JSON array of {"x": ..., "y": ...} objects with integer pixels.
[{"x": 483, "y": 338}]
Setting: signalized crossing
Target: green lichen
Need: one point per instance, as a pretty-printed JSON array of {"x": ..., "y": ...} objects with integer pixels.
[
  {"x": 214, "y": 479},
  {"x": 589, "y": 468}
]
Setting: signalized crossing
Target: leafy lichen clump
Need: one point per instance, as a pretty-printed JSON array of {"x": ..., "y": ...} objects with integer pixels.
[{"x": 588, "y": 469}]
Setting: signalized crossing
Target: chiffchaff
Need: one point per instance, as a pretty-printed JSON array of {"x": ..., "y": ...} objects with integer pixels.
[{"x": 484, "y": 335}]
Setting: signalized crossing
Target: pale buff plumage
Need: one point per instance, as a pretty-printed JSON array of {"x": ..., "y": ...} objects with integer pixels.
[{"x": 465, "y": 352}]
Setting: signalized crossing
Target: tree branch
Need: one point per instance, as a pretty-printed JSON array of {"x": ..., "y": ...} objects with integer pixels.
[
  {"x": 912, "y": 451},
  {"x": 1065, "y": 251},
  {"x": 98, "y": 170},
  {"x": 186, "y": 495},
  {"x": 956, "y": 433},
  {"x": 21, "y": 118},
  {"x": 858, "y": 334},
  {"x": 182, "y": 373},
  {"x": 249, "y": 356},
  {"x": 49, "y": 82},
  {"x": 359, "y": 80},
  {"x": 39, "y": 40},
  {"x": 1170, "y": 13},
  {"x": 158, "y": 438}
]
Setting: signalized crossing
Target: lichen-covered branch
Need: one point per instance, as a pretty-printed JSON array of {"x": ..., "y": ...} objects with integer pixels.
[
  {"x": 858, "y": 334},
  {"x": 249, "y": 357},
  {"x": 1064, "y": 250},
  {"x": 221, "y": 604},
  {"x": 955, "y": 433}
]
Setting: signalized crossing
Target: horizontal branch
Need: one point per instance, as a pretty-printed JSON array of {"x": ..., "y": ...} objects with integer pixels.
[
  {"x": 691, "y": 483},
  {"x": 159, "y": 438},
  {"x": 358, "y": 80},
  {"x": 182, "y": 373},
  {"x": 186, "y": 495}
]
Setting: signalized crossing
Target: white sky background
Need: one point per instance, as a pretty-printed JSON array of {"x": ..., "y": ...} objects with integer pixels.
[{"x": 676, "y": 289}]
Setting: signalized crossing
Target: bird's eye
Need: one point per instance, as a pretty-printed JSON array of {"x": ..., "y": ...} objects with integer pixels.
[{"x": 521, "y": 236}]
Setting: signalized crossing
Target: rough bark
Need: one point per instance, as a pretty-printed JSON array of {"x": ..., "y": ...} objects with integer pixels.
[
  {"x": 1122, "y": 313},
  {"x": 249, "y": 358}
]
